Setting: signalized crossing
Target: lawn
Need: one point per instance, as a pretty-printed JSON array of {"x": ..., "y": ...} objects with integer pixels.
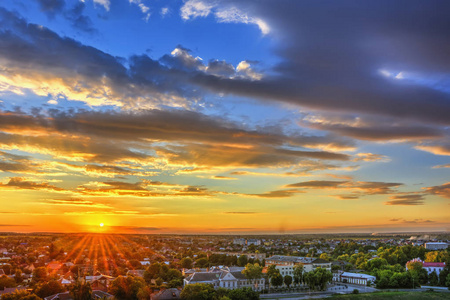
[{"x": 395, "y": 296}]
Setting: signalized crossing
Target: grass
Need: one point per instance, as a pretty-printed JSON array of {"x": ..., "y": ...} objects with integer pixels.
[{"x": 394, "y": 296}]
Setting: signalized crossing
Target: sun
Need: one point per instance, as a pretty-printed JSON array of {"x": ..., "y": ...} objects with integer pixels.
[{"x": 101, "y": 224}]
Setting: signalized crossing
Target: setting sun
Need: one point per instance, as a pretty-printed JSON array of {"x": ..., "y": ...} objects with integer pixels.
[{"x": 101, "y": 224}]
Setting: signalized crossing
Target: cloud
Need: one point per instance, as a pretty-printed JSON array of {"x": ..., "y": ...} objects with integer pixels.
[
  {"x": 357, "y": 188},
  {"x": 278, "y": 194},
  {"x": 78, "y": 19},
  {"x": 240, "y": 213},
  {"x": 75, "y": 203},
  {"x": 192, "y": 9},
  {"x": 22, "y": 183},
  {"x": 440, "y": 190},
  {"x": 220, "y": 177},
  {"x": 441, "y": 166},
  {"x": 317, "y": 184},
  {"x": 51, "y": 7},
  {"x": 435, "y": 148},
  {"x": 373, "y": 129},
  {"x": 190, "y": 139},
  {"x": 406, "y": 200},
  {"x": 144, "y": 188}
]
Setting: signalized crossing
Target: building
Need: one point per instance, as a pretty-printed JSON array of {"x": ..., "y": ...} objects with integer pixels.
[
  {"x": 239, "y": 242},
  {"x": 353, "y": 278},
  {"x": 286, "y": 264},
  {"x": 259, "y": 256},
  {"x": 436, "y": 246},
  {"x": 229, "y": 279},
  {"x": 429, "y": 266}
]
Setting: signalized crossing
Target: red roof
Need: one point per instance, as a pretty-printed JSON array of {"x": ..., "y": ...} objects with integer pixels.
[{"x": 433, "y": 265}]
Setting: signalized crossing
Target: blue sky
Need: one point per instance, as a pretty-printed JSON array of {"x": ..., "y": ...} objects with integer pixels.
[{"x": 224, "y": 115}]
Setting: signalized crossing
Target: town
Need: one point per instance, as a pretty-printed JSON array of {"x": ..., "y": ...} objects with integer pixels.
[{"x": 101, "y": 266}]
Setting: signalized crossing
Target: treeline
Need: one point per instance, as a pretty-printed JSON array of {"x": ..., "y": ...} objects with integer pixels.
[{"x": 200, "y": 291}]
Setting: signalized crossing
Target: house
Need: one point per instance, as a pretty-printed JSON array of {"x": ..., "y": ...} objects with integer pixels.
[
  {"x": 166, "y": 294},
  {"x": 353, "y": 278},
  {"x": 429, "y": 266},
  {"x": 99, "y": 282},
  {"x": 136, "y": 273},
  {"x": 96, "y": 294}
]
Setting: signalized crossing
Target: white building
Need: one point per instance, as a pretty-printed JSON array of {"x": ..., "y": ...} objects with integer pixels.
[
  {"x": 436, "y": 246},
  {"x": 353, "y": 278},
  {"x": 286, "y": 264},
  {"x": 225, "y": 279}
]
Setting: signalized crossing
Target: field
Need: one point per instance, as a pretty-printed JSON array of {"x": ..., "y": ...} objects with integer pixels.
[{"x": 395, "y": 296}]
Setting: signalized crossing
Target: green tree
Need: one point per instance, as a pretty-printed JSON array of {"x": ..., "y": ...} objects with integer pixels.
[
  {"x": 198, "y": 291},
  {"x": 126, "y": 288},
  {"x": 298, "y": 274},
  {"x": 186, "y": 263},
  {"x": 202, "y": 262},
  {"x": 288, "y": 280},
  {"x": 433, "y": 278},
  {"x": 242, "y": 260},
  {"x": 276, "y": 280},
  {"x": 152, "y": 272},
  {"x": 243, "y": 294},
  {"x": 253, "y": 272}
]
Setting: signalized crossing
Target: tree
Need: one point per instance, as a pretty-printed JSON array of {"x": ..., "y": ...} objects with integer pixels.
[
  {"x": 201, "y": 262},
  {"x": 45, "y": 289},
  {"x": 433, "y": 278},
  {"x": 186, "y": 263},
  {"x": 20, "y": 295},
  {"x": 243, "y": 294},
  {"x": 81, "y": 291},
  {"x": 324, "y": 256},
  {"x": 298, "y": 274},
  {"x": 277, "y": 279},
  {"x": 288, "y": 280},
  {"x": 152, "y": 272},
  {"x": 6, "y": 282},
  {"x": 126, "y": 288},
  {"x": 198, "y": 291},
  {"x": 242, "y": 260},
  {"x": 253, "y": 272},
  {"x": 40, "y": 274}
]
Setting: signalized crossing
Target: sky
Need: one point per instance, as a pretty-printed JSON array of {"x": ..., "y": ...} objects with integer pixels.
[{"x": 228, "y": 117}]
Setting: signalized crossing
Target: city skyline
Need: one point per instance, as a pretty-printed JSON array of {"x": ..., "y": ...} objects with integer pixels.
[{"x": 224, "y": 117}]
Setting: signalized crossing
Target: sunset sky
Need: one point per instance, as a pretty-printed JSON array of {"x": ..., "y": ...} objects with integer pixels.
[{"x": 230, "y": 117}]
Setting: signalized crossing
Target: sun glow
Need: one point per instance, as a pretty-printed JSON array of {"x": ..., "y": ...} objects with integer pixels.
[{"x": 101, "y": 224}]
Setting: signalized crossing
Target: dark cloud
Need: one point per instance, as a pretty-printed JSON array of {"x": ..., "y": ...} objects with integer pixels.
[
  {"x": 192, "y": 139},
  {"x": 319, "y": 184},
  {"x": 407, "y": 200},
  {"x": 51, "y": 7},
  {"x": 332, "y": 64},
  {"x": 22, "y": 183},
  {"x": 78, "y": 19},
  {"x": 278, "y": 194},
  {"x": 383, "y": 133}
]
